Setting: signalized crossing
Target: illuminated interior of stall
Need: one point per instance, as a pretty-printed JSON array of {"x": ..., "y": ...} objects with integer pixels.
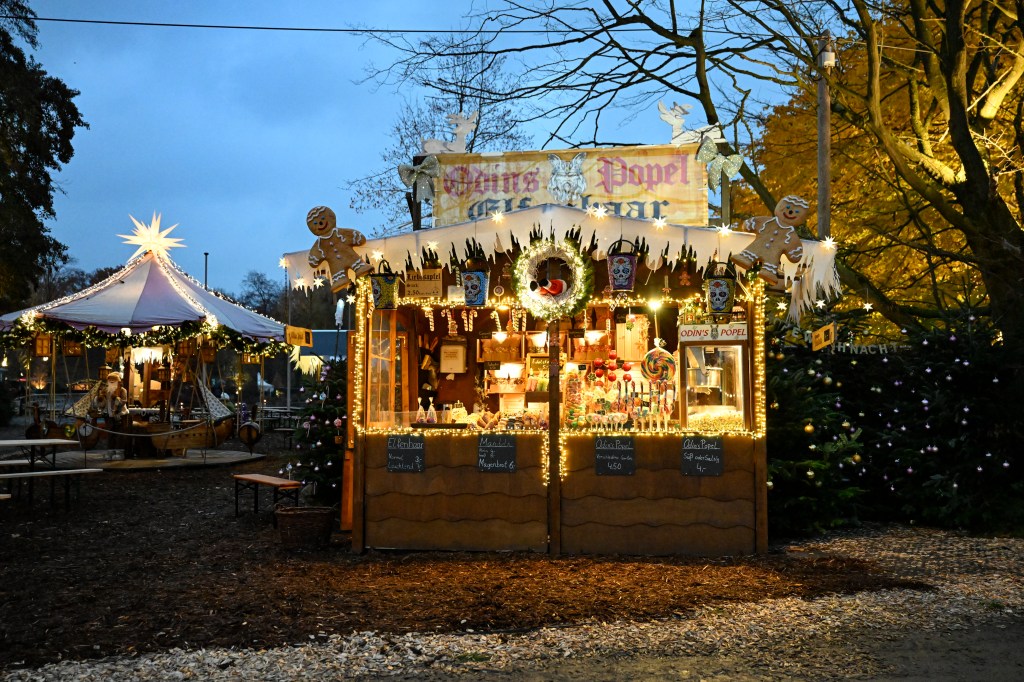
[{"x": 609, "y": 378}]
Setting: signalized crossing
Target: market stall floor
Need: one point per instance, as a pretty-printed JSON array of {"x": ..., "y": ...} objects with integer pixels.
[{"x": 73, "y": 459}]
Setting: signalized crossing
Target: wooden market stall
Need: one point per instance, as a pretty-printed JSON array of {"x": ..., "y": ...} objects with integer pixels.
[{"x": 564, "y": 382}]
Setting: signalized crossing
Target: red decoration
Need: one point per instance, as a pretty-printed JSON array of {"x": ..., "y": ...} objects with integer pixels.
[
  {"x": 627, "y": 366},
  {"x": 611, "y": 376},
  {"x": 598, "y": 362},
  {"x": 612, "y": 355},
  {"x": 627, "y": 376},
  {"x": 599, "y": 372}
]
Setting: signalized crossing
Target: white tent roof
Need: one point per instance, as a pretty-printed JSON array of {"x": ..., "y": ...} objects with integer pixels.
[{"x": 151, "y": 291}]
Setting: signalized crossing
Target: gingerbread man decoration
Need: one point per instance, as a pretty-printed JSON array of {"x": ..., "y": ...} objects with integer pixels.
[
  {"x": 334, "y": 246},
  {"x": 776, "y": 235}
]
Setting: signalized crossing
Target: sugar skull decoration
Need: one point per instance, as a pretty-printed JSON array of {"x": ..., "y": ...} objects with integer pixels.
[
  {"x": 474, "y": 283},
  {"x": 384, "y": 285},
  {"x": 776, "y": 235},
  {"x": 719, "y": 288},
  {"x": 334, "y": 247},
  {"x": 622, "y": 265}
]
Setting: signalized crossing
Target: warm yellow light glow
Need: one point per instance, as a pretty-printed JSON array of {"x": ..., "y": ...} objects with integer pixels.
[
  {"x": 432, "y": 246},
  {"x": 147, "y": 354},
  {"x": 151, "y": 238},
  {"x": 601, "y": 211},
  {"x": 539, "y": 339},
  {"x": 593, "y": 335},
  {"x": 828, "y": 243},
  {"x": 377, "y": 255},
  {"x": 498, "y": 217},
  {"x": 500, "y": 337},
  {"x": 723, "y": 230},
  {"x": 654, "y": 305},
  {"x": 282, "y": 263},
  {"x": 659, "y": 223}
]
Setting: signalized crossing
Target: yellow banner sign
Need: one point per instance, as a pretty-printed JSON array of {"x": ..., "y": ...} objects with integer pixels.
[
  {"x": 636, "y": 182},
  {"x": 824, "y": 337},
  {"x": 298, "y": 336}
]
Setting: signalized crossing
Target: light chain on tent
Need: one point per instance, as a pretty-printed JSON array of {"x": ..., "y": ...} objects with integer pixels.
[{"x": 211, "y": 319}]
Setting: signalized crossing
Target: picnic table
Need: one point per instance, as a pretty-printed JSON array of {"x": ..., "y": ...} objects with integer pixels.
[
  {"x": 64, "y": 474},
  {"x": 35, "y": 449}
]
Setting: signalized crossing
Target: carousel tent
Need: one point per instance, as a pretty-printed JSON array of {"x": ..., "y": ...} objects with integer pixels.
[{"x": 150, "y": 291}]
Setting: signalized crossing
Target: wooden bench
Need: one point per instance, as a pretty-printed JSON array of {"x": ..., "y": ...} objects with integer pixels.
[
  {"x": 53, "y": 474},
  {"x": 284, "y": 488},
  {"x": 5, "y": 496}
]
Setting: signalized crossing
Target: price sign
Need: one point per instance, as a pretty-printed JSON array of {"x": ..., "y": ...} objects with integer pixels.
[
  {"x": 496, "y": 453},
  {"x": 614, "y": 456},
  {"x": 406, "y": 453},
  {"x": 703, "y": 456}
]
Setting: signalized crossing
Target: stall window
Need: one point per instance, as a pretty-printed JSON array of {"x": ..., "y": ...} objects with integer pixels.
[
  {"x": 387, "y": 390},
  {"x": 714, "y": 388}
]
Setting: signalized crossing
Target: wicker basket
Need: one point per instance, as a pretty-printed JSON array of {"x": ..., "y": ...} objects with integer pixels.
[{"x": 305, "y": 527}]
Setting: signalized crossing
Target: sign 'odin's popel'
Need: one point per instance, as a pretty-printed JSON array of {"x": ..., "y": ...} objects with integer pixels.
[{"x": 636, "y": 182}]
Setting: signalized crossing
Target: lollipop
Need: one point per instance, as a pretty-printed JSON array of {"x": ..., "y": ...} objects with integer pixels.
[{"x": 658, "y": 365}]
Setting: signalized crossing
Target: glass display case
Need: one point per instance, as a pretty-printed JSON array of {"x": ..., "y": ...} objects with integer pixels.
[{"x": 714, "y": 392}]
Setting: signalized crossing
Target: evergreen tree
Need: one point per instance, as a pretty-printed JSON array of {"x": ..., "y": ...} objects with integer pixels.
[{"x": 320, "y": 452}]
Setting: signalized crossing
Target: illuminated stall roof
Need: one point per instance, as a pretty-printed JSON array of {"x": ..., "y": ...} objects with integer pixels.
[{"x": 667, "y": 243}]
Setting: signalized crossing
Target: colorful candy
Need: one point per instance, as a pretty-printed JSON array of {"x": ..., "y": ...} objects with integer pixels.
[{"x": 658, "y": 365}]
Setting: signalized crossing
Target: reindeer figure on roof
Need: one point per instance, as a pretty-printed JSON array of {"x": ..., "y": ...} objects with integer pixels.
[{"x": 463, "y": 125}]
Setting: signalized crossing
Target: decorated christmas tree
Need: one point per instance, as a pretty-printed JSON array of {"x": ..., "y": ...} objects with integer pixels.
[{"x": 320, "y": 436}]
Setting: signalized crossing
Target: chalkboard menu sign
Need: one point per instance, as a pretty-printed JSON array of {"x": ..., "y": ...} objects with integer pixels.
[
  {"x": 614, "y": 456},
  {"x": 405, "y": 453},
  {"x": 576, "y": 333},
  {"x": 496, "y": 453},
  {"x": 492, "y": 364},
  {"x": 703, "y": 456}
]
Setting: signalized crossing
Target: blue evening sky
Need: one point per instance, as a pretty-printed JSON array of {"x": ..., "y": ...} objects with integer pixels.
[{"x": 233, "y": 135}]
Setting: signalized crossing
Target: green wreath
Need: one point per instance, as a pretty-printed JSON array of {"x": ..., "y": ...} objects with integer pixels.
[{"x": 579, "y": 285}]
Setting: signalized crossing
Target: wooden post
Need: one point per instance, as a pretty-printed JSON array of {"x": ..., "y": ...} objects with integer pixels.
[
  {"x": 826, "y": 60},
  {"x": 554, "y": 451}
]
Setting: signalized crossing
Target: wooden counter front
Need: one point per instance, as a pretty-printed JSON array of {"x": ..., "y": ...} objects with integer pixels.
[
  {"x": 658, "y": 510},
  {"x": 451, "y": 504}
]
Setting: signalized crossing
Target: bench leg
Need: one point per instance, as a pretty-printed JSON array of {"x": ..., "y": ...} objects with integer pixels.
[{"x": 236, "y": 497}]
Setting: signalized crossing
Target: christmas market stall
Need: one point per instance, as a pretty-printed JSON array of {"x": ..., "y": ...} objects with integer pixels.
[
  {"x": 161, "y": 330},
  {"x": 570, "y": 360}
]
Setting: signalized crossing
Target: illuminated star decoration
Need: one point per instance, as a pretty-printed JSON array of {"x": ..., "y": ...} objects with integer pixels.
[
  {"x": 377, "y": 255},
  {"x": 350, "y": 298},
  {"x": 151, "y": 238},
  {"x": 282, "y": 263},
  {"x": 820, "y": 303},
  {"x": 828, "y": 244},
  {"x": 432, "y": 246},
  {"x": 318, "y": 282},
  {"x": 601, "y": 211},
  {"x": 723, "y": 230},
  {"x": 781, "y": 305},
  {"x": 498, "y": 217},
  {"x": 659, "y": 223},
  {"x": 300, "y": 283},
  {"x": 868, "y": 306}
]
